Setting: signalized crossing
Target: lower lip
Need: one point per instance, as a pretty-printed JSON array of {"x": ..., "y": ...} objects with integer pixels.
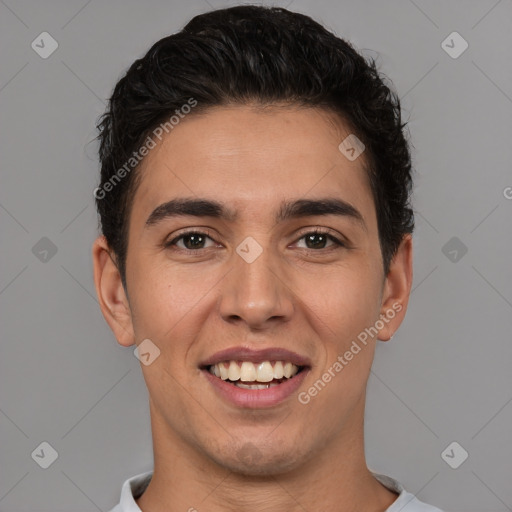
[{"x": 256, "y": 398}]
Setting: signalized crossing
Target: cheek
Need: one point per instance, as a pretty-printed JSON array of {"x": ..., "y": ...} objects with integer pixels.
[
  {"x": 167, "y": 301},
  {"x": 344, "y": 301}
]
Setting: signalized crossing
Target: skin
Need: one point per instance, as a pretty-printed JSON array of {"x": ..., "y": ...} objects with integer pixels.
[{"x": 313, "y": 301}]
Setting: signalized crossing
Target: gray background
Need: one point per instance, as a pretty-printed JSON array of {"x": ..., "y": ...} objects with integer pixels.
[{"x": 444, "y": 377}]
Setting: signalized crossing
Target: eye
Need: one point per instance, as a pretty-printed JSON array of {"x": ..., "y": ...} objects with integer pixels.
[
  {"x": 192, "y": 241},
  {"x": 317, "y": 239}
]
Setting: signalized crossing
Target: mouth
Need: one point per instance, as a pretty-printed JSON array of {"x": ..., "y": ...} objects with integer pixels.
[
  {"x": 254, "y": 376},
  {"x": 255, "y": 379}
]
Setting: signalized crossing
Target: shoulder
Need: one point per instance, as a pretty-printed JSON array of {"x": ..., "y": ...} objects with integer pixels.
[
  {"x": 132, "y": 488},
  {"x": 406, "y": 502}
]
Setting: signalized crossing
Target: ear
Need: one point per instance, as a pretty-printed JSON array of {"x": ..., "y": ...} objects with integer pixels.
[
  {"x": 111, "y": 294},
  {"x": 396, "y": 290}
]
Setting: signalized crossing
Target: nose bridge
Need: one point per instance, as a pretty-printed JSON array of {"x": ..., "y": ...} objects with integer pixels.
[{"x": 253, "y": 291}]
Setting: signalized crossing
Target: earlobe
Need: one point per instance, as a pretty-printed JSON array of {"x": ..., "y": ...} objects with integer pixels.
[
  {"x": 397, "y": 289},
  {"x": 111, "y": 294}
]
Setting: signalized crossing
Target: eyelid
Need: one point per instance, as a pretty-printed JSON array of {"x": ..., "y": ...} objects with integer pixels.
[
  {"x": 338, "y": 241},
  {"x": 322, "y": 231},
  {"x": 191, "y": 231}
]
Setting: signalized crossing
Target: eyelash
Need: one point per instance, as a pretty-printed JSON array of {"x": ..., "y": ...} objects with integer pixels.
[{"x": 338, "y": 243}]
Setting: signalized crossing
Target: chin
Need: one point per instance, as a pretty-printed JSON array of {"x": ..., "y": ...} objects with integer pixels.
[{"x": 249, "y": 459}]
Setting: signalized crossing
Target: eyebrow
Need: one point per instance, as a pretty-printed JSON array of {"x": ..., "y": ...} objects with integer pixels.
[{"x": 288, "y": 210}]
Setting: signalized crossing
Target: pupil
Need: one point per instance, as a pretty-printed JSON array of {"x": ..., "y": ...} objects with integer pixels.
[
  {"x": 310, "y": 238},
  {"x": 195, "y": 239}
]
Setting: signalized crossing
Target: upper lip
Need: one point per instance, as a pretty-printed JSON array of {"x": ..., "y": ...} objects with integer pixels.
[{"x": 256, "y": 356}]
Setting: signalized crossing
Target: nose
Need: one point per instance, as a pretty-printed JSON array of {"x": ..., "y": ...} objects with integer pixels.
[{"x": 255, "y": 293}]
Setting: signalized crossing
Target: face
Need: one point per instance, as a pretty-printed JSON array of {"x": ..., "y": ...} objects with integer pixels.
[{"x": 270, "y": 273}]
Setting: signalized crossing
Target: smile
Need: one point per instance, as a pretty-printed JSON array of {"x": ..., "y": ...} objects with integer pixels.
[
  {"x": 255, "y": 376},
  {"x": 255, "y": 379}
]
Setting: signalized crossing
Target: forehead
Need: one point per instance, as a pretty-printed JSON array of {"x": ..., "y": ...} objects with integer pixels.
[{"x": 253, "y": 157}]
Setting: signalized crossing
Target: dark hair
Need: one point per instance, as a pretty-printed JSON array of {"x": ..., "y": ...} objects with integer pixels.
[{"x": 254, "y": 54}]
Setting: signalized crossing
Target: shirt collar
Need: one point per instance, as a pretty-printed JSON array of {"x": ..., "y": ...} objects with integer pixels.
[
  {"x": 135, "y": 486},
  {"x": 133, "y": 489}
]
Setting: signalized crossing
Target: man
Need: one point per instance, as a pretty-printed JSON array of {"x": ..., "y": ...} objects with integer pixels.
[{"x": 256, "y": 242}]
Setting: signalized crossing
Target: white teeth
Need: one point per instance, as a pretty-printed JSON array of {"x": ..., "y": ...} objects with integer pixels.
[
  {"x": 278, "y": 370},
  {"x": 252, "y": 386},
  {"x": 265, "y": 372},
  {"x": 247, "y": 371},
  {"x": 287, "y": 369},
  {"x": 223, "y": 371},
  {"x": 233, "y": 371},
  {"x": 255, "y": 386}
]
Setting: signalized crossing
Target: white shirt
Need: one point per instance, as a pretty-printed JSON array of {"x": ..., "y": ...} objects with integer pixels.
[{"x": 406, "y": 502}]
